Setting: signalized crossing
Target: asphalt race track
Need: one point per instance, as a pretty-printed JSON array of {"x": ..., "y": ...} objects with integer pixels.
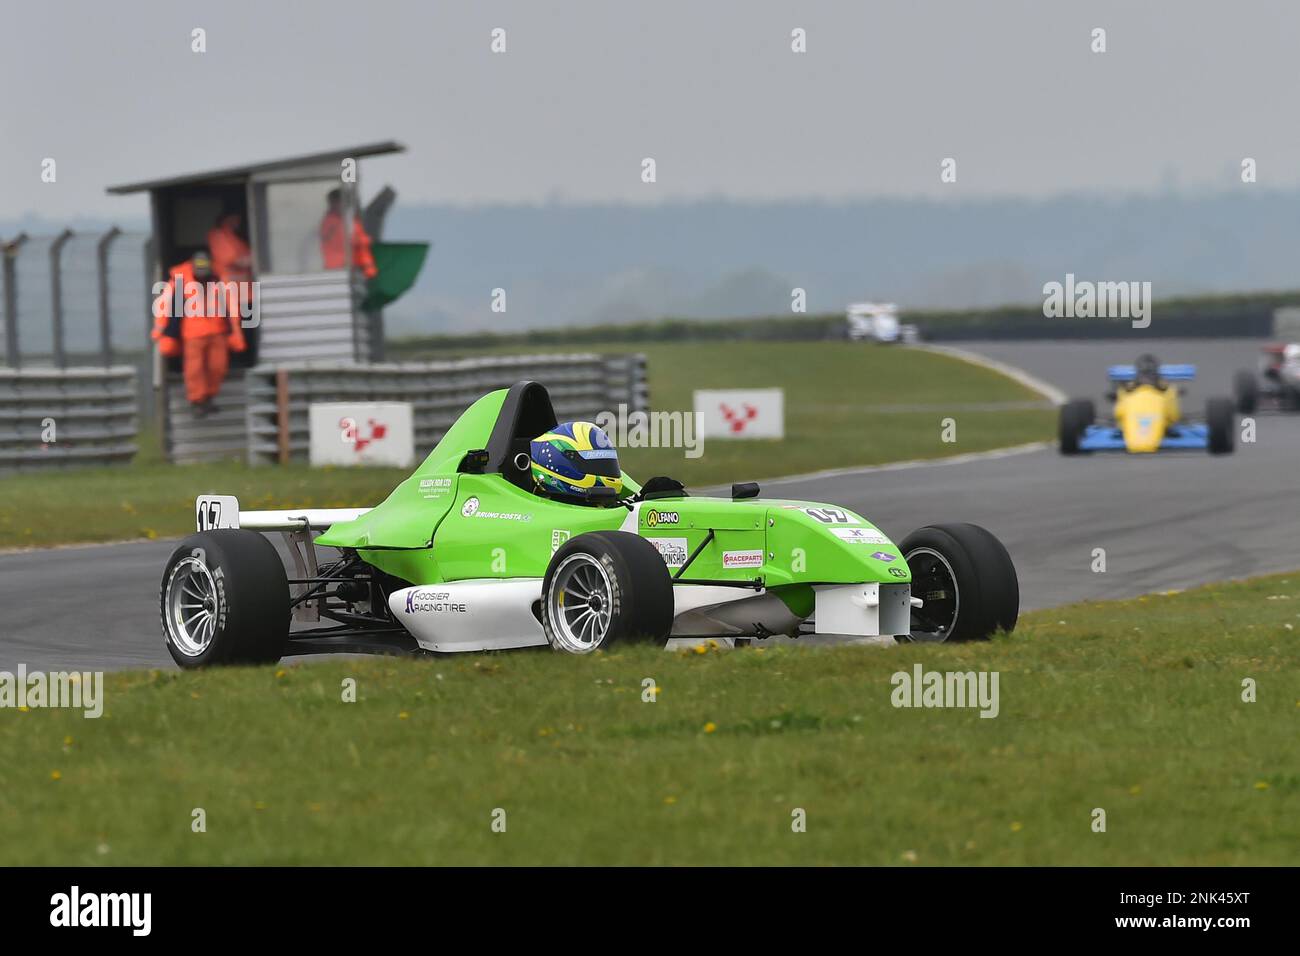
[
  {"x": 1165, "y": 521},
  {"x": 1079, "y": 368}
]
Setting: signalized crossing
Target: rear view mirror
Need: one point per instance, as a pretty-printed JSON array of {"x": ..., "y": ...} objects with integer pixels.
[{"x": 474, "y": 462}]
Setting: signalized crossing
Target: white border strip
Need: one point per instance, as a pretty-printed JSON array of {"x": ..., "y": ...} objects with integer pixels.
[{"x": 1050, "y": 392}]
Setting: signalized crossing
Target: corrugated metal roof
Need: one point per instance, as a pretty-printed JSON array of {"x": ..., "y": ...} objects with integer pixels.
[{"x": 241, "y": 172}]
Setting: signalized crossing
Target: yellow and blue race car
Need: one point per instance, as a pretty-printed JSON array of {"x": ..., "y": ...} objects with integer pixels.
[{"x": 1147, "y": 416}]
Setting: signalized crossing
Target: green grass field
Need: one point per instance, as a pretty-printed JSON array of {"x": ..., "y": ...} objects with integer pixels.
[
  {"x": 840, "y": 411},
  {"x": 1135, "y": 708},
  {"x": 842, "y": 407}
]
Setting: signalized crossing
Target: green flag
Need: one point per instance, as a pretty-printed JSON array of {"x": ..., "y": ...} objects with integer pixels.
[{"x": 399, "y": 264}]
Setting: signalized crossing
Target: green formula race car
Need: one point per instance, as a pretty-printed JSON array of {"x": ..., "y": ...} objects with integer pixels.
[{"x": 468, "y": 554}]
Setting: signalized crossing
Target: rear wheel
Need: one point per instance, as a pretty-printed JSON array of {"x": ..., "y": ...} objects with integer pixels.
[
  {"x": 1219, "y": 419},
  {"x": 1075, "y": 417},
  {"x": 966, "y": 581},
  {"x": 224, "y": 600},
  {"x": 606, "y": 586},
  {"x": 1245, "y": 386}
]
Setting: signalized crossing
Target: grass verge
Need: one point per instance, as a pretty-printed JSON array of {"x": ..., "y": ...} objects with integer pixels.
[{"x": 1132, "y": 707}]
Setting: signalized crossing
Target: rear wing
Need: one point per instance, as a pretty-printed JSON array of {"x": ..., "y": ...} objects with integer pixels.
[
  {"x": 222, "y": 511},
  {"x": 1170, "y": 373}
]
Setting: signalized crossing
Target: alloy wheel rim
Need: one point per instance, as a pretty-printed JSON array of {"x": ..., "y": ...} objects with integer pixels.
[
  {"x": 935, "y": 576},
  {"x": 581, "y": 604},
  {"x": 191, "y": 607}
]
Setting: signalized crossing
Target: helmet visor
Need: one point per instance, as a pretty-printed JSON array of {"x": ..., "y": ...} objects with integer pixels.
[{"x": 596, "y": 461}]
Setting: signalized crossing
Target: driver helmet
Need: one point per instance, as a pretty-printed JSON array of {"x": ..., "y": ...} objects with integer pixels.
[
  {"x": 573, "y": 458},
  {"x": 201, "y": 263},
  {"x": 1148, "y": 369}
]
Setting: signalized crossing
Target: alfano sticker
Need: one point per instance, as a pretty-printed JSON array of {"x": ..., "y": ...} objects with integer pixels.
[{"x": 654, "y": 517}]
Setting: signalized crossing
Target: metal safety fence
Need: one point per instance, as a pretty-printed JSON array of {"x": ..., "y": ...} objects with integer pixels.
[
  {"x": 55, "y": 417},
  {"x": 74, "y": 299}
]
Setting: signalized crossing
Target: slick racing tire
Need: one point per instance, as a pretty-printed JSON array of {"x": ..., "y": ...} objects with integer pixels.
[
  {"x": 1219, "y": 420},
  {"x": 225, "y": 600},
  {"x": 1246, "y": 387},
  {"x": 966, "y": 580},
  {"x": 1075, "y": 417},
  {"x": 604, "y": 587}
]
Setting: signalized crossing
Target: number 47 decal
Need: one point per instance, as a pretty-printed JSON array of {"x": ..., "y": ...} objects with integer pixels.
[
  {"x": 829, "y": 515},
  {"x": 216, "y": 511}
]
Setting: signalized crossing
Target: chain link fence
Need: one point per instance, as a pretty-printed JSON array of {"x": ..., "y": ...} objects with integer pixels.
[{"x": 75, "y": 299}]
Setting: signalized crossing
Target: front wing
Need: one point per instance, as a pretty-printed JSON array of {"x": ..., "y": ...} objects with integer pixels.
[{"x": 1180, "y": 438}]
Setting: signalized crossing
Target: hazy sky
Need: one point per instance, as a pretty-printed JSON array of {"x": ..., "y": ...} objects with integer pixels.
[{"x": 711, "y": 90}]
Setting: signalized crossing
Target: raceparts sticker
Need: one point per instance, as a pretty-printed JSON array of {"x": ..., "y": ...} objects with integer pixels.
[
  {"x": 742, "y": 559},
  {"x": 673, "y": 550},
  {"x": 558, "y": 537},
  {"x": 654, "y": 517},
  {"x": 860, "y": 535}
]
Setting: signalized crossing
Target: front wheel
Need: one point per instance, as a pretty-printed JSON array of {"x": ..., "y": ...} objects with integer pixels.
[
  {"x": 1219, "y": 421},
  {"x": 606, "y": 586},
  {"x": 1075, "y": 417},
  {"x": 966, "y": 581},
  {"x": 225, "y": 600}
]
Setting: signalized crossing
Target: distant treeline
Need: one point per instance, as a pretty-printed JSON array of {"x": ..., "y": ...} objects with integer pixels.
[{"x": 1225, "y": 316}]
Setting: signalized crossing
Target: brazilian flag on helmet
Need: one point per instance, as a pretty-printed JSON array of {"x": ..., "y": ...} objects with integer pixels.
[{"x": 574, "y": 457}]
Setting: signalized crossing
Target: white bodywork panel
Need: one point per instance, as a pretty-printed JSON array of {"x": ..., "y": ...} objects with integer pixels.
[
  {"x": 298, "y": 519},
  {"x": 497, "y": 613},
  {"x": 476, "y": 615},
  {"x": 866, "y": 610},
  {"x": 690, "y": 597},
  {"x": 222, "y": 511},
  {"x": 704, "y": 611}
]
